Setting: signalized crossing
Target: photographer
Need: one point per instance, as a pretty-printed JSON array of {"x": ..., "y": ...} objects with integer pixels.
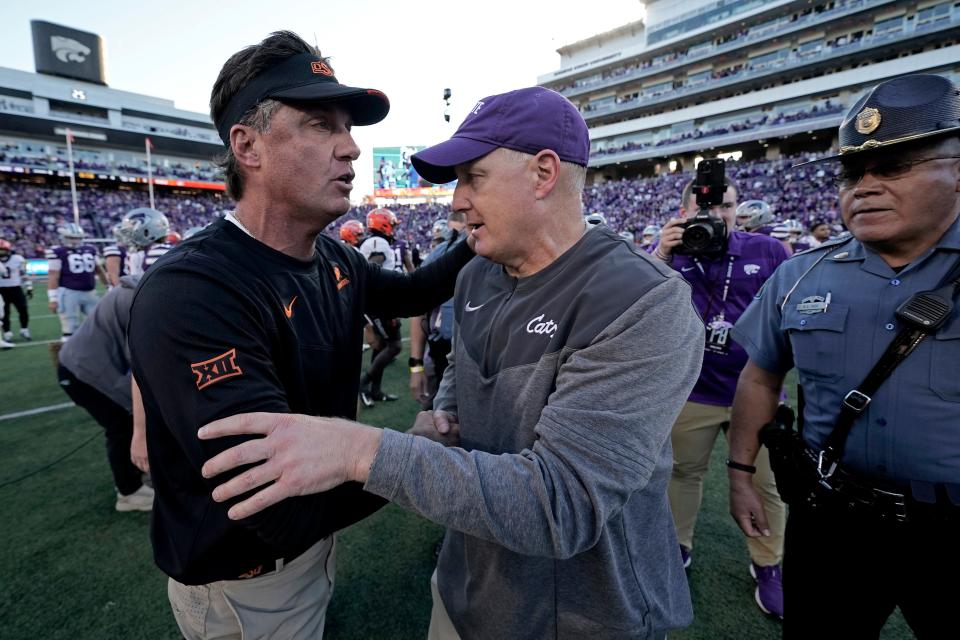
[
  {"x": 726, "y": 269},
  {"x": 873, "y": 477}
]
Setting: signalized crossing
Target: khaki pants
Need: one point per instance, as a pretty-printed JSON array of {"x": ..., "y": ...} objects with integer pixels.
[
  {"x": 693, "y": 436},
  {"x": 441, "y": 628},
  {"x": 289, "y": 603}
]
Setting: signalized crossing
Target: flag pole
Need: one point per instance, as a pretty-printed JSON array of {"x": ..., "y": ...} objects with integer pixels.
[
  {"x": 73, "y": 179},
  {"x": 149, "y": 145}
]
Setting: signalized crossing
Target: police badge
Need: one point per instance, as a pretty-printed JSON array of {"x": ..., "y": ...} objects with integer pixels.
[{"x": 868, "y": 120}]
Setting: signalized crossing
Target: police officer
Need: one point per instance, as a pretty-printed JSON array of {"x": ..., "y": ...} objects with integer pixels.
[{"x": 880, "y": 529}]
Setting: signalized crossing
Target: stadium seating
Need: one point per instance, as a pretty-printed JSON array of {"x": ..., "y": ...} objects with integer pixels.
[
  {"x": 706, "y": 130},
  {"x": 54, "y": 158},
  {"x": 30, "y": 213}
]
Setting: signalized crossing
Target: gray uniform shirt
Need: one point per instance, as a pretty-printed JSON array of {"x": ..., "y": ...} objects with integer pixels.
[
  {"x": 909, "y": 432},
  {"x": 97, "y": 353},
  {"x": 566, "y": 384}
]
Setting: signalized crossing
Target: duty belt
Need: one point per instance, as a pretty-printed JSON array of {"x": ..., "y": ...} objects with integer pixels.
[{"x": 844, "y": 488}]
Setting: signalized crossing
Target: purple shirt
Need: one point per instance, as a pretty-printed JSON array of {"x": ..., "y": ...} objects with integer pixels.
[
  {"x": 722, "y": 290},
  {"x": 115, "y": 250},
  {"x": 77, "y": 266}
]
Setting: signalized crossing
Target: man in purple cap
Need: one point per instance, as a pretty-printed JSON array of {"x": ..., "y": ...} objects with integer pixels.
[
  {"x": 572, "y": 354},
  {"x": 262, "y": 312}
]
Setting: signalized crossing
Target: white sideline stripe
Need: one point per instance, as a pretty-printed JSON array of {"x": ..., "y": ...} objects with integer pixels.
[
  {"x": 35, "y": 343},
  {"x": 53, "y": 407},
  {"x": 33, "y": 412}
]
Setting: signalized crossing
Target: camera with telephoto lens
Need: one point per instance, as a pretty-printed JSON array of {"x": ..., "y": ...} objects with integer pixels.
[{"x": 704, "y": 233}]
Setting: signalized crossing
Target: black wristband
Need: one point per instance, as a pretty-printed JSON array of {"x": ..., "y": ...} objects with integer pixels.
[
  {"x": 741, "y": 467},
  {"x": 415, "y": 362}
]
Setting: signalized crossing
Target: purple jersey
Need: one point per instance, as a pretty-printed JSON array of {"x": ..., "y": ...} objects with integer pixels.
[
  {"x": 77, "y": 266},
  {"x": 722, "y": 290},
  {"x": 153, "y": 254},
  {"x": 119, "y": 252}
]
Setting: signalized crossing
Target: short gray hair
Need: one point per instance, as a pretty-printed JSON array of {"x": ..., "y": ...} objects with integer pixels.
[
  {"x": 258, "y": 118},
  {"x": 576, "y": 176}
]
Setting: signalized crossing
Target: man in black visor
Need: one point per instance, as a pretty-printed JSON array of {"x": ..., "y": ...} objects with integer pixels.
[{"x": 260, "y": 312}]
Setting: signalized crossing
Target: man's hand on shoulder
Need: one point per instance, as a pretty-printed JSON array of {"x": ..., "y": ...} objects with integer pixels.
[{"x": 299, "y": 454}]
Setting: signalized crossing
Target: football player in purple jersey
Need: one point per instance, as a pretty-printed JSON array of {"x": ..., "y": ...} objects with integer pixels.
[
  {"x": 73, "y": 267},
  {"x": 115, "y": 257},
  {"x": 145, "y": 232}
]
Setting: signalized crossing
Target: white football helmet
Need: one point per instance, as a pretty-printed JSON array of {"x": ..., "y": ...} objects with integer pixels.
[
  {"x": 794, "y": 227},
  {"x": 651, "y": 232},
  {"x": 594, "y": 219},
  {"x": 143, "y": 226},
  {"x": 71, "y": 234},
  {"x": 753, "y": 214}
]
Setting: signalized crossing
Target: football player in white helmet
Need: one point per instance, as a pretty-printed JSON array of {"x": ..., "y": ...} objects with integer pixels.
[
  {"x": 73, "y": 269},
  {"x": 650, "y": 236},
  {"x": 753, "y": 214},
  {"x": 145, "y": 230}
]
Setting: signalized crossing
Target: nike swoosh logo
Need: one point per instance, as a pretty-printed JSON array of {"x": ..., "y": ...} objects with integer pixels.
[
  {"x": 470, "y": 308},
  {"x": 685, "y": 269},
  {"x": 288, "y": 309}
]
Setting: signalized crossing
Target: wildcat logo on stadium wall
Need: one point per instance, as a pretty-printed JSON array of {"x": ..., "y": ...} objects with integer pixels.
[{"x": 68, "y": 49}]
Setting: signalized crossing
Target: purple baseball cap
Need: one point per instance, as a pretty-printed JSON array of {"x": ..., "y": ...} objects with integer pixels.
[{"x": 527, "y": 120}]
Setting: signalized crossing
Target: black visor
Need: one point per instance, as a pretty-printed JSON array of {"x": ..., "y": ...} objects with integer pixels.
[{"x": 303, "y": 78}]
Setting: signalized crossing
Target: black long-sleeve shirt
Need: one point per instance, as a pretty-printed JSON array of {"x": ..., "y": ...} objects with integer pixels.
[{"x": 225, "y": 325}]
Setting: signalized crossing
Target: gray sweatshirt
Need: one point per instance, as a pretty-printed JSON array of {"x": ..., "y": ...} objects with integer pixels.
[
  {"x": 566, "y": 384},
  {"x": 97, "y": 353}
]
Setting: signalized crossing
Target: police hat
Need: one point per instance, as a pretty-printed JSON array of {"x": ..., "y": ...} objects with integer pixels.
[{"x": 904, "y": 109}]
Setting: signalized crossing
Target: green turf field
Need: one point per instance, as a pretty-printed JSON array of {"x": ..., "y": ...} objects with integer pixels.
[{"x": 74, "y": 568}]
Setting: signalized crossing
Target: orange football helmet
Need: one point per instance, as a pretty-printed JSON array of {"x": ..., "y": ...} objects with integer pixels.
[
  {"x": 382, "y": 220},
  {"x": 351, "y": 231}
]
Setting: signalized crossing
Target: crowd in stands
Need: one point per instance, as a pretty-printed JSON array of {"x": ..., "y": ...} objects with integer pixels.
[
  {"x": 39, "y": 157},
  {"x": 31, "y": 213},
  {"x": 804, "y": 194},
  {"x": 699, "y": 133}
]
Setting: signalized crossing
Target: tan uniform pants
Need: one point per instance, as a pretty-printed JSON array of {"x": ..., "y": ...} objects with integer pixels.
[
  {"x": 693, "y": 436},
  {"x": 441, "y": 628},
  {"x": 289, "y": 603}
]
